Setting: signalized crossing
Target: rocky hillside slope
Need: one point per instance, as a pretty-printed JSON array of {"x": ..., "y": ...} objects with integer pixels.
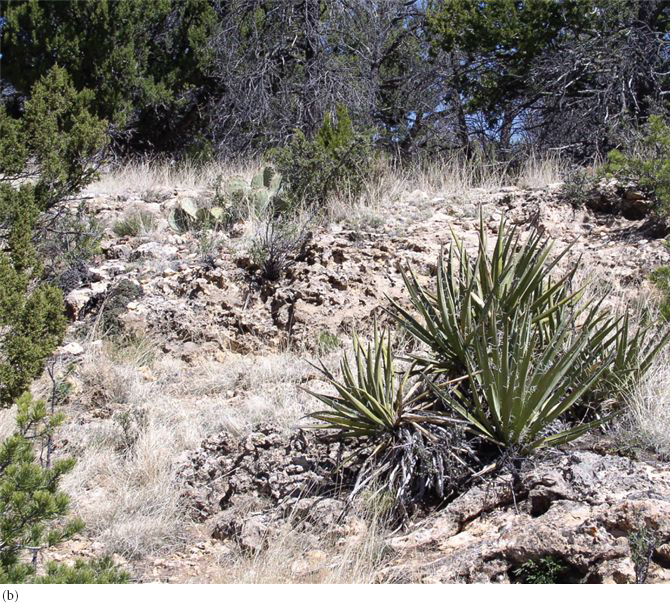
[{"x": 241, "y": 491}]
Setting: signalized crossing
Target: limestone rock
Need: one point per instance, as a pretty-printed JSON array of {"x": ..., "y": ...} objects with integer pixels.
[{"x": 581, "y": 509}]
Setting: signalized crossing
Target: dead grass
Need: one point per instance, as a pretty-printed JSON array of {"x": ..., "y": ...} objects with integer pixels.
[
  {"x": 457, "y": 175},
  {"x": 134, "y": 411},
  {"x": 416, "y": 185},
  {"x": 354, "y": 554},
  {"x": 647, "y": 420},
  {"x": 134, "y": 223},
  {"x": 388, "y": 180},
  {"x": 149, "y": 177},
  {"x": 540, "y": 171}
]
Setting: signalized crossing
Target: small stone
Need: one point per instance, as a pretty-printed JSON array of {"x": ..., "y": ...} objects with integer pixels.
[{"x": 72, "y": 348}]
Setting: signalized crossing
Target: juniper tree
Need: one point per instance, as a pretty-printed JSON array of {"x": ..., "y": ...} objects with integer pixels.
[
  {"x": 45, "y": 155},
  {"x": 48, "y": 154},
  {"x": 572, "y": 74},
  {"x": 148, "y": 62}
]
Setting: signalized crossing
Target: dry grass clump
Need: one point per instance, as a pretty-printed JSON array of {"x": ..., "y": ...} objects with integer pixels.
[
  {"x": 455, "y": 174},
  {"x": 255, "y": 388},
  {"x": 647, "y": 421},
  {"x": 132, "y": 224},
  {"x": 354, "y": 554},
  {"x": 540, "y": 171},
  {"x": 123, "y": 483},
  {"x": 148, "y": 175}
]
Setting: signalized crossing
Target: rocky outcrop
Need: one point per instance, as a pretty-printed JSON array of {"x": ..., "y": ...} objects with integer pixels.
[
  {"x": 271, "y": 475},
  {"x": 592, "y": 514},
  {"x": 616, "y": 197},
  {"x": 597, "y": 518},
  {"x": 343, "y": 276},
  {"x": 266, "y": 465}
]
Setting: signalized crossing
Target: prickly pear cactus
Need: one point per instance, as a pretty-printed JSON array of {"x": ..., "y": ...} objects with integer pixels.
[
  {"x": 184, "y": 215},
  {"x": 263, "y": 191},
  {"x": 231, "y": 200}
]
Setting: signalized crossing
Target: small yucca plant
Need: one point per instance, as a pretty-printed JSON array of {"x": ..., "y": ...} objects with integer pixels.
[
  {"x": 408, "y": 449},
  {"x": 372, "y": 398}
]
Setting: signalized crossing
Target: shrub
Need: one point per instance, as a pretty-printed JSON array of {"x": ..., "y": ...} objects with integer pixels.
[
  {"x": 32, "y": 322},
  {"x": 516, "y": 275},
  {"x": 547, "y": 570},
  {"x": 49, "y": 149},
  {"x": 648, "y": 162},
  {"x": 147, "y": 63},
  {"x": 519, "y": 385},
  {"x": 57, "y": 134},
  {"x": 101, "y": 571},
  {"x": 62, "y": 137},
  {"x": 487, "y": 293},
  {"x": 67, "y": 242},
  {"x": 335, "y": 161},
  {"x": 29, "y": 496},
  {"x": 626, "y": 355},
  {"x": 275, "y": 247},
  {"x": 372, "y": 401},
  {"x": 32, "y": 506}
]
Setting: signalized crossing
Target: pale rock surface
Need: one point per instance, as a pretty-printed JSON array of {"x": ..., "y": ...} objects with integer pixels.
[{"x": 581, "y": 508}]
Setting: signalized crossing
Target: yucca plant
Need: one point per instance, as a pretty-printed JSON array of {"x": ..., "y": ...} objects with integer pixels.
[
  {"x": 533, "y": 350},
  {"x": 513, "y": 356},
  {"x": 371, "y": 399},
  {"x": 630, "y": 351},
  {"x": 520, "y": 383},
  {"x": 515, "y": 274},
  {"x": 406, "y": 447}
]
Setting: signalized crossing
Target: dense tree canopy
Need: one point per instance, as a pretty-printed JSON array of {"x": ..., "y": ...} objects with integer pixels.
[
  {"x": 239, "y": 77},
  {"x": 148, "y": 62},
  {"x": 565, "y": 74}
]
